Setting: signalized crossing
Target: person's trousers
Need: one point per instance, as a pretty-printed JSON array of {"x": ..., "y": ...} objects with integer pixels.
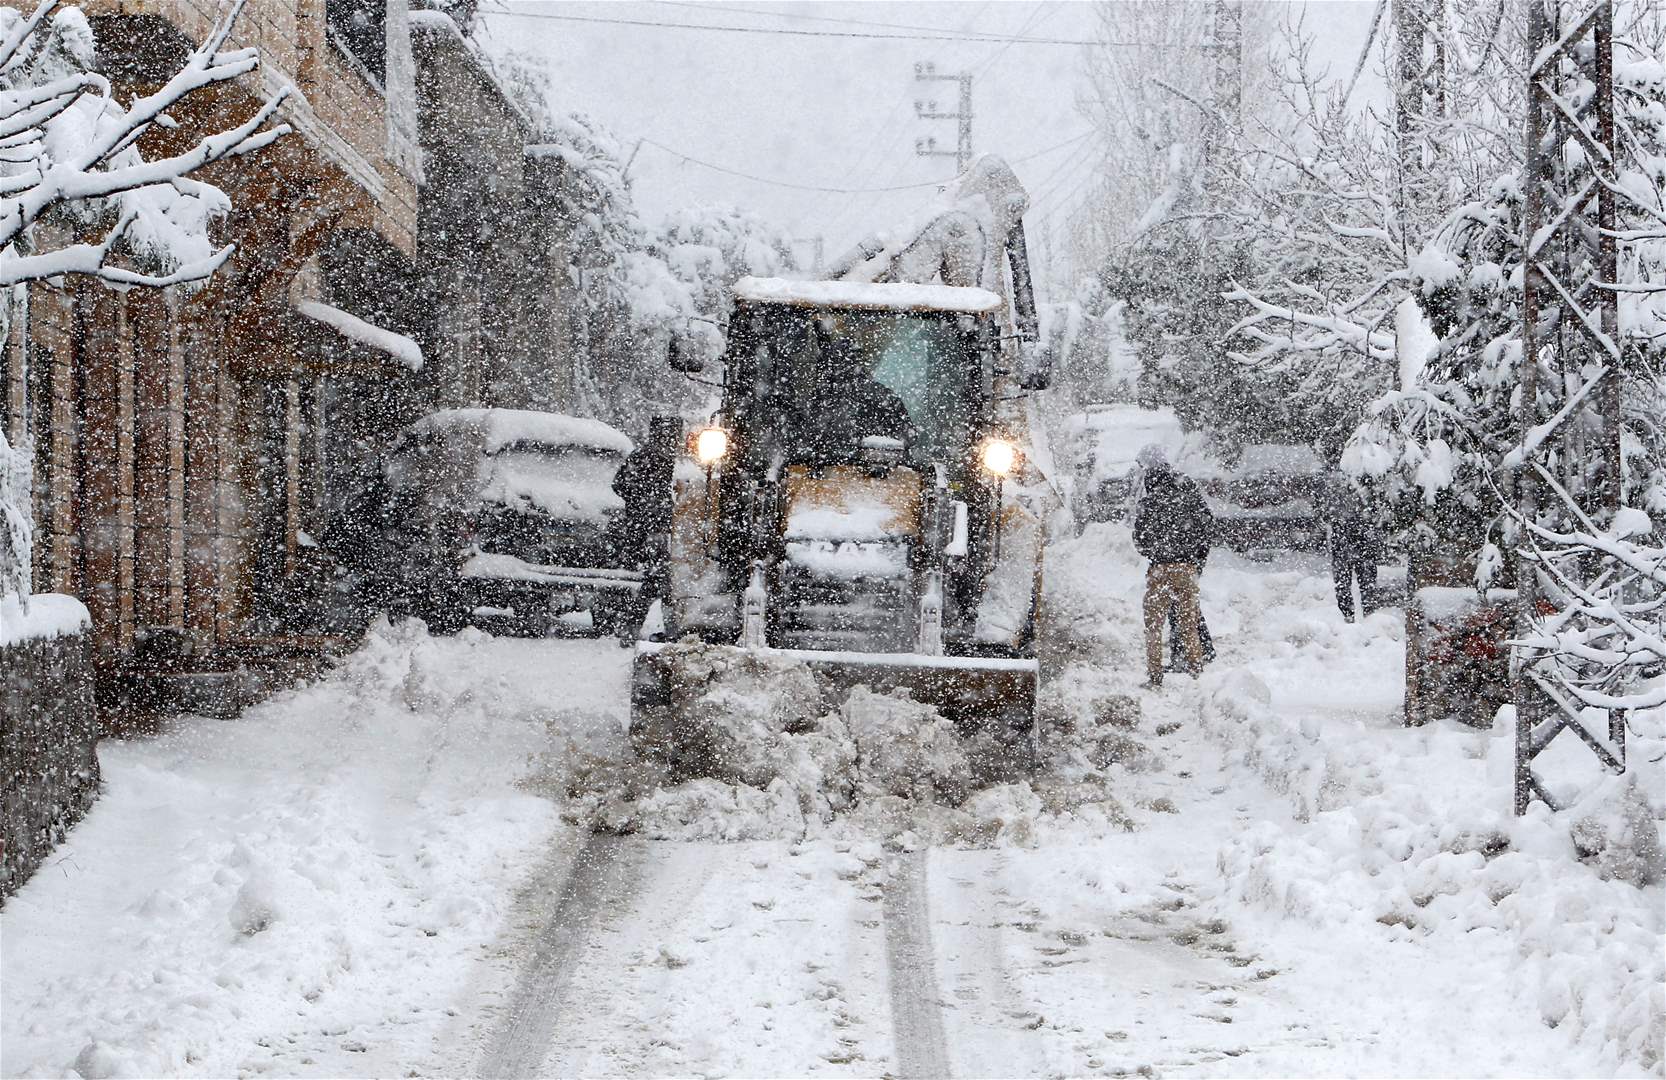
[
  {"x": 1169, "y": 584},
  {"x": 1345, "y": 568}
]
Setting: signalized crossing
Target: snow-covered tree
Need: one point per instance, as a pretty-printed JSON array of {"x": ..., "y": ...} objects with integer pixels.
[
  {"x": 644, "y": 288},
  {"x": 77, "y": 197},
  {"x": 1343, "y": 196},
  {"x": 1453, "y": 442},
  {"x": 1086, "y": 334},
  {"x": 1173, "y": 118}
]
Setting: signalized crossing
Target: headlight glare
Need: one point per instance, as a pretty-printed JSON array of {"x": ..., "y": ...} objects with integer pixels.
[
  {"x": 1000, "y": 457},
  {"x": 710, "y": 445}
]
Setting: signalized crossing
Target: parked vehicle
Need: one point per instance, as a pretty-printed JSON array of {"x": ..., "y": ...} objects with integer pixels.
[
  {"x": 502, "y": 521},
  {"x": 1102, "y": 444},
  {"x": 1270, "y": 499}
]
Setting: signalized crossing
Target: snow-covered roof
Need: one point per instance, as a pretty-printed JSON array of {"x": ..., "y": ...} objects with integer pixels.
[
  {"x": 350, "y": 326},
  {"x": 888, "y": 296},
  {"x": 507, "y": 427}
]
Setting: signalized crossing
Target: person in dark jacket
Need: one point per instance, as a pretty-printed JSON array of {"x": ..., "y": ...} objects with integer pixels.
[
  {"x": 642, "y": 531},
  {"x": 1173, "y": 528},
  {"x": 1356, "y": 546},
  {"x": 1177, "y": 660}
]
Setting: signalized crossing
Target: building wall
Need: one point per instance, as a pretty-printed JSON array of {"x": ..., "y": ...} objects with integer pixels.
[
  {"x": 335, "y": 105},
  {"x": 207, "y": 457},
  {"x": 178, "y": 430},
  {"x": 492, "y": 241}
]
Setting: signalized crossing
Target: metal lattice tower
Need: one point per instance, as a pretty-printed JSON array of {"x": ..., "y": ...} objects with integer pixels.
[{"x": 1570, "y": 316}]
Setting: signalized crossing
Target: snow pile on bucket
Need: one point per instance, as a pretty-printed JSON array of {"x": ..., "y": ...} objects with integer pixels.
[{"x": 750, "y": 749}]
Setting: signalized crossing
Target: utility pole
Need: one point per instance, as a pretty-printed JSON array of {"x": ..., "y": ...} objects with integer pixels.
[
  {"x": 925, "y": 71},
  {"x": 1225, "y": 44}
]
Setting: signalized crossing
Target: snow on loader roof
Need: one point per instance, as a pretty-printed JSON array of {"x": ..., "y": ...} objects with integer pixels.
[
  {"x": 886, "y": 296},
  {"x": 502, "y": 428}
]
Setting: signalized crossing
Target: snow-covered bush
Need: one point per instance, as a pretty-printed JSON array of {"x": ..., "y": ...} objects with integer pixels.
[{"x": 77, "y": 197}]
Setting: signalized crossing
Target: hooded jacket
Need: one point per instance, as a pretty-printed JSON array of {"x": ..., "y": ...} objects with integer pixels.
[{"x": 1172, "y": 523}]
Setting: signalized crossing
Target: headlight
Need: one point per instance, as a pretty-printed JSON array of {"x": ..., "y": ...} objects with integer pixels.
[
  {"x": 710, "y": 445},
  {"x": 1000, "y": 457}
]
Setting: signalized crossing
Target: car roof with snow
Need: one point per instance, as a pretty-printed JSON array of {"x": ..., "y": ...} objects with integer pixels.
[
  {"x": 884, "y": 296},
  {"x": 499, "y": 429},
  {"x": 1290, "y": 458}
]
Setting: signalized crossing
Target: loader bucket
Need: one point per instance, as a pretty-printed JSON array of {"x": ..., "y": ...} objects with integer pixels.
[{"x": 977, "y": 693}]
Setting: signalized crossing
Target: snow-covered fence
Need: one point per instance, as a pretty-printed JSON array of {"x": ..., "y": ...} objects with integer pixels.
[{"x": 48, "y": 731}]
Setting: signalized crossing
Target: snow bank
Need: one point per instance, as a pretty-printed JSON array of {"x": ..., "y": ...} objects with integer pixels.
[
  {"x": 1384, "y": 842},
  {"x": 753, "y": 749},
  {"x": 305, "y": 889},
  {"x": 49, "y": 615},
  {"x": 1408, "y": 834},
  {"x": 889, "y": 296},
  {"x": 401, "y": 348}
]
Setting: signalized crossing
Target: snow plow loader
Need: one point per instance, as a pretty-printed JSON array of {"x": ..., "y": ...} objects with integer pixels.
[{"x": 868, "y": 498}]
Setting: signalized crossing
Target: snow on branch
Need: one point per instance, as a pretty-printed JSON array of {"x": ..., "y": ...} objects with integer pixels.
[{"x": 67, "y": 144}]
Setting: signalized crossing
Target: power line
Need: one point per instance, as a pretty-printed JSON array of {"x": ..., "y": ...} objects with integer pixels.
[
  {"x": 983, "y": 35},
  {"x": 843, "y": 190},
  {"x": 782, "y": 31}
]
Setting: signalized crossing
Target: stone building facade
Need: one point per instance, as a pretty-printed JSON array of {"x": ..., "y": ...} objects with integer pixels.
[{"x": 203, "y": 457}]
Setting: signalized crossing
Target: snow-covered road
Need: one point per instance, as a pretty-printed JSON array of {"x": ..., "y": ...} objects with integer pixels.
[{"x": 382, "y": 874}]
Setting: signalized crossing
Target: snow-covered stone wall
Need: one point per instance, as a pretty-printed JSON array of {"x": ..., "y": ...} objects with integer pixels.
[{"x": 48, "y": 731}]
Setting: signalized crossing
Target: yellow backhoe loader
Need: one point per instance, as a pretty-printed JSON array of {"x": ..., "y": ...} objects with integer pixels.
[{"x": 869, "y": 497}]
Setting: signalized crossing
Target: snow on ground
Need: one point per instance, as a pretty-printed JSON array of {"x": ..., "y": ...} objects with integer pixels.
[
  {"x": 1258, "y": 873},
  {"x": 305, "y": 889}
]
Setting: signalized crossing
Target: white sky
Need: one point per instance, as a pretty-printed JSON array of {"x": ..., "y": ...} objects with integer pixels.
[{"x": 829, "y": 111}]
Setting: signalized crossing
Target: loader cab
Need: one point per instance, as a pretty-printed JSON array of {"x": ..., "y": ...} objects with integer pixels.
[{"x": 828, "y": 385}]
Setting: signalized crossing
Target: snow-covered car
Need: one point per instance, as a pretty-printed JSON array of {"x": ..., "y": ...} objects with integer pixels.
[
  {"x": 1270, "y": 499},
  {"x": 504, "y": 521},
  {"x": 1103, "y": 442}
]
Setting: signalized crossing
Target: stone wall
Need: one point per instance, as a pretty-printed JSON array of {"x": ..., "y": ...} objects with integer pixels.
[{"x": 48, "y": 760}]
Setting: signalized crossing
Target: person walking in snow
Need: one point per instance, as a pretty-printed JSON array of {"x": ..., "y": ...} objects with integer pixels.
[
  {"x": 640, "y": 532},
  {"x": 1177, "y": 660},
  {"x": 1356, "y": 545},
  {"x": 1173, "y": 528}
]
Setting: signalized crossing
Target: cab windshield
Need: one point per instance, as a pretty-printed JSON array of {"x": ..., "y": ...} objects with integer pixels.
[{"x": 846, "y": 381}]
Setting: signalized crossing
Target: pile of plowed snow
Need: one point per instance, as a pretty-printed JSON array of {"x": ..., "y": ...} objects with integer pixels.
[{"x": 749, "y": 748}]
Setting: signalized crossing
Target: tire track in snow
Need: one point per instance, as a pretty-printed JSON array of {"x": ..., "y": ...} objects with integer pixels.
[
  {"x": 602, "y": 878},
  {"x": 916, "y": 1011}
]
